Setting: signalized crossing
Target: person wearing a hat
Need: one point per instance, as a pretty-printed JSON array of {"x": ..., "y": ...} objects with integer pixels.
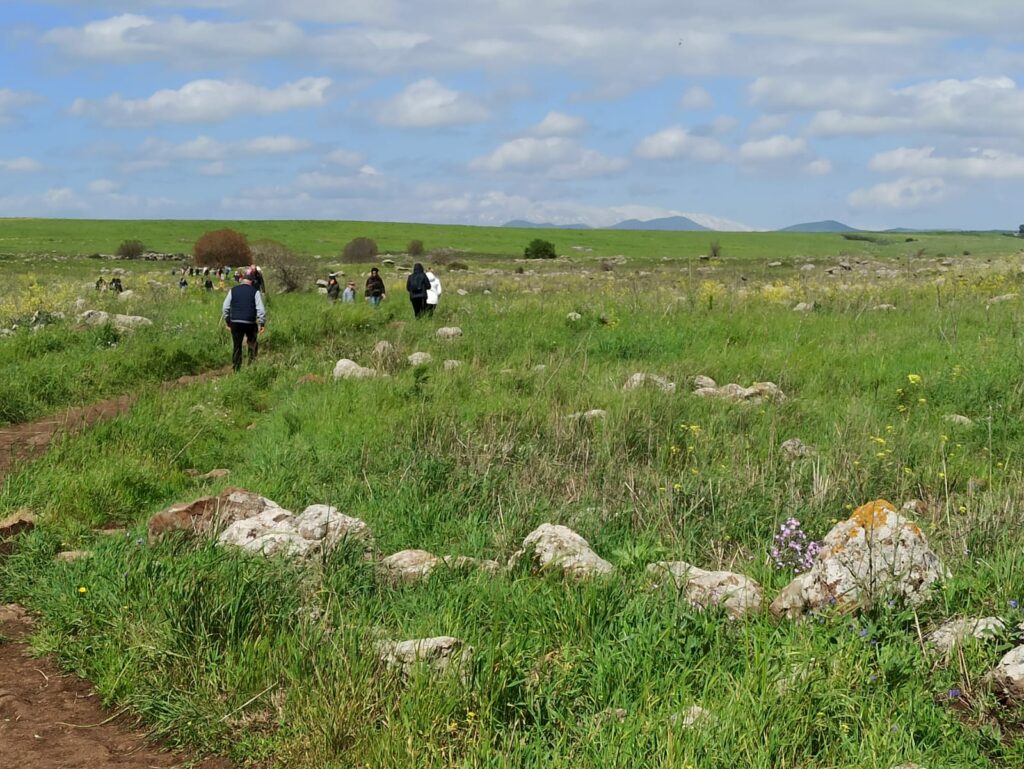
[
  {"x": 375, "y": 292},
  {"x": 333, "y": 289},
  {"x": 246, "y": 318}
]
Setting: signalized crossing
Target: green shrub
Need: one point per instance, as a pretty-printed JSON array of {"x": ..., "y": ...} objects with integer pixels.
[
  {"x": 415, "y": 248},
  {"x": 359, "y": 250},
  {"x": 222, "y": 247},
  {"x": 131, "y": 249},
  {"x": 540, "y": 249}
]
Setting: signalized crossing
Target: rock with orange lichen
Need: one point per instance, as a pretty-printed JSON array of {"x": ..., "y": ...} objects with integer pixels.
[{"x": 875, "y": 554}]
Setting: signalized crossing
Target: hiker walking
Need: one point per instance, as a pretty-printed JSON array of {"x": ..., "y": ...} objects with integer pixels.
[
  {"x": 418, "y": 284},
  {"x": 245, "y": 317},
  {"x": 333, "y": 289},
  {"x": 433, "y": 293},
  {"x": 375, "y": 287}
]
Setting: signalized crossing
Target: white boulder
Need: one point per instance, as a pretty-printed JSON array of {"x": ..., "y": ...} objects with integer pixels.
[
  {"x": 737, "y": 594},
  {"x": 349, "y": 369},
  {"x": 554, "y": 547}
]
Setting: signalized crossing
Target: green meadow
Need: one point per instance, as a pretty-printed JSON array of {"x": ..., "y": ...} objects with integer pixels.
[{"x": 272, "y": 661}]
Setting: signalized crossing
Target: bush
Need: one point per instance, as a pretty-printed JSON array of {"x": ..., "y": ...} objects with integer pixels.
[
  {"x": 130, "y": 249},
  {"x": 540, "y": 249},
  {"x": 222, "y": 248},
  {"x": 359, "y": 250},
  {"x": 415, "y": 248},
  {"x": 457, "y": 266},
  {"x": 716, "y": 249},
  {"x": 281, "y": 265}
]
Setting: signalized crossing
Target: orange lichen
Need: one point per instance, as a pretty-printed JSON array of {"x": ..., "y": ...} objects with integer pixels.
[{"x": 872, "y": 514}]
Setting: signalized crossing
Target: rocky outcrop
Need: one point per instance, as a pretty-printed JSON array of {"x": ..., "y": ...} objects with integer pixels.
[
  {"x": 640, "y": 379},
  {"x": 420, "y": 359},
  {"x": 758, "y": 392},
  {"x": 876, "y": 553},
  {"x": 955, "y": 632},
  {"x": 275, "y": 531},
  {"x": 21, "y": 522},
  {"x": 559, "y": 548},
  {"x": 410, "y": 566},
  {"x": 1008, "y": 676},
  {"x": 795, "y": 449},
  {"x": 737, "y": 594},
  {"x": 349, "y": 369},
  {"x": 449, "y": 332},
  {"x": 206, "y": 515},
  {"x": 439, "y": 655}
]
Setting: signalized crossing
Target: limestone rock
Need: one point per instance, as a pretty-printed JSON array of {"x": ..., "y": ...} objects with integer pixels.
[
  {"x": 207, "y": 514},
  {"x": 383, "y": 349},
  {"x": 693, "y": 717},
  {"x": 449, "y": 332},
  {"x": 420, "y": 358},
  {"x": 124, "y": 296},
  {"x": 129, "y": 322},
  {"x": 640, "y": 379},
  {"x": 329, "y": 527},
  {"x": 94, "y": 317},
  {"x": 438, "y": 655},
  {"x": 954, "y": 632},
  {"x": 462, "y": 292},
  {"x": 774, "y": 264},
  {"x": 737, "y": 594},
  {"x": 1008, "y": 676},
  {"x": 804, "y": 307},
  {"x": 875, "y": 553},
  {"x": 1000, "y": 299},
  {"x": 449, "y": 365},
  {"x": 758, "y": 392},
  {"x": 551, "y": 546},
  {"x": 589, "y": 416},
  {"x": 884, "y": 307},
  {"x": 70, "y": 556},
  {"x": 21, "y": 522},
  {"x": 349, "y": 369},
  {"x": 795, "y": 449},
  {"x": 959, "y": 420},
  {"x": 574, "y": 317},
  {"x": 215, "y": 474},
  {"x": 272, "y": 532},
  {"x": 408, "y": 566},
  {"x": 704, "y": 382}
]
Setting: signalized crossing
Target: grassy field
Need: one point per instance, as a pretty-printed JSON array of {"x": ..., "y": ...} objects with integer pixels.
[{"x": 222, "y": 652}]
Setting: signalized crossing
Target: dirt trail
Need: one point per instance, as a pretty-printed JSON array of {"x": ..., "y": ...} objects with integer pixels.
[
  {"x": 51, "y": 720},
  {"x": 31, "y": 439}
]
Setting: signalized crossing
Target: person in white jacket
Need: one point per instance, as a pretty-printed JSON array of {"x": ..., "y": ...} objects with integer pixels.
[{"x": 433, "y": 293}]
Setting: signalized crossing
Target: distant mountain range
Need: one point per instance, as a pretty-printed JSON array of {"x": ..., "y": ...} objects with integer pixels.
[
  {"x": 668, "y": 223},
  {"x": 523, "y": 224},
  {"x": 828, "y": 225}
]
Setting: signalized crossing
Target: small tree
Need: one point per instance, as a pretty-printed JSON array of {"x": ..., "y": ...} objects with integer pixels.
[
  {"x": 222, "y": 248},
  {"x": 540, "y": 249},
  {"x": 131, "y": 249},
  {"x": 716, "y": 249},
  {"x": 359, "y": 250},
  {"x": 415, "y": 248},
  {"x": 281, "y": 265}
]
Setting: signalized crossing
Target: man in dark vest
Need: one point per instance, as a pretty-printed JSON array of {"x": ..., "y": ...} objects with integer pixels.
[{"x": 245, "y": 317}]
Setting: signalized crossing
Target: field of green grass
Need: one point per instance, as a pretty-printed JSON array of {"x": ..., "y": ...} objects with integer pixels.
[{"x": 272, "y": 662}]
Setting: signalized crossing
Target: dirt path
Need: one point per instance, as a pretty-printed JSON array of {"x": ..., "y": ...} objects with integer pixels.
[
  {"x": 51, "y": 720},
  {"x": 31, "y": 439}
]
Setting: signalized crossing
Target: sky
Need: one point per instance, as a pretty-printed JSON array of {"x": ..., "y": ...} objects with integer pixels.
[{"x": 740, "y": 113}]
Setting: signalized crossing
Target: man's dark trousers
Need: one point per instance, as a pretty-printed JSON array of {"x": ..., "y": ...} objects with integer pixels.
[{"x": 240, "y": 331}]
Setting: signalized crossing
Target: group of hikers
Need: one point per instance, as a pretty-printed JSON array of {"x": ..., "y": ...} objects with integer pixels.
[
  {"x": 245, "y": 313},
  {"x": 424, "y": 289},
  {"x": 113, "y": 285},
  {"x": 221, "y": 273}
]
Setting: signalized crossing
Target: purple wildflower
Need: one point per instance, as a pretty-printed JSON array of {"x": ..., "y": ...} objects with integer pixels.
[{"x": 792, "y": 549}]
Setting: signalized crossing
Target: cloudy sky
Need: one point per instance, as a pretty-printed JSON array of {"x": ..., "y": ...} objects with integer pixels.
[{"x": 875, "y": 112}]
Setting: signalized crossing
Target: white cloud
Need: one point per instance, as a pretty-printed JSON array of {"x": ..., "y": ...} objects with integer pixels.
[
  {"x": 980, "y": 164},
  {"x": 677, "y": 142},
  {"x": 554, "y": 157},
  {"x": 819, "y": 167},
  {"x": 103, "y": 186},
  {"x": 428, "y": 104},
  {"x": 343, "y": 157},
  {"x": 272, "y": 145},
  {"x": 22, "y": 165},
  {"x": 134, "y": 37},
  {"x": 788, "y": 93},
  {"x": 559, "y": 124},
  {"x": 773, "y": 149},
  {"x": 696, "y": 98},
  {"x": 769, "y": 124},
  {"x": 216, "y": 168},
  {"x": 159, "y": 153},
  {"x": 11, "y": 101},
  {"x": 205, "y": 101},
  {"x": 905, "y": 192}
]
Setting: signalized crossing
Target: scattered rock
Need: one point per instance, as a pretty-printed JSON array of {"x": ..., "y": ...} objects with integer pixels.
[
  {"x": 875, "y": 553},
  {"x": 408, "y": 566},
  {"x": 1000, "y": 299},
  {"x": 795, "y": 449},
  {"x": 639, "y": 379},
  {"x": 388, "y": 262},
  {"x": 573, "y": 317},
  {"x": 737, "y": 594},
  {"x": 129, "y": 322},
  {"x": 420, "y": 359},
  {"x": 70, "y": 556},
  {"x": 693, "y": 717},
  {"x": 319, "y": 528},
  {"x": 449, "y": 332},
  {"x": 215, "y": 474},
  {"x": 1008, "y": 676},
  {"x": 452, "y": 364},
  {"x": 462, "y": 292},
  {"x": 124, "y": 296},
  {"x": 701, "y": 382},
  {"x": 326, "y": 525},
  {"x": 884, "y": 307},
  {"x": 21, "y": 522},
  {"x": 207, "y": 514},
  {"x": 807, "y": 267},
  {"x": 349, "y": 369},
  {"x": 954, "y": 632},
  {"x": 551, "y": 546},
  {"x": 774, "y": 264},
  {"x": 590, "y": 416},
  {"x": 756, "y": 393},
  {"x": 804, "y": 307},
  {"x": 383, "y": 349},
  {"x": 438, "y": 655},
  {"x": 959, "y": 420}
]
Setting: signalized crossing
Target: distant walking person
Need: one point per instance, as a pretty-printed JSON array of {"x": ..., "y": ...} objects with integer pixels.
[
  {"x": 375, "y": 291},
  {"x": 433, "y": 293},
  {"x": 245, "y": 318},
  {"x": 333, "y": 288},
  {"x": 348, "y": 296},
  {"x": 418, "y": 284}
]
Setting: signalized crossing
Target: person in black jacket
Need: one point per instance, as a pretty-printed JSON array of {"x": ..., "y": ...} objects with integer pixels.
[
  {"x": 375, "y": 291},
  {"x": 418, "y": 284},
  {"x": 245, "y": 317}
]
